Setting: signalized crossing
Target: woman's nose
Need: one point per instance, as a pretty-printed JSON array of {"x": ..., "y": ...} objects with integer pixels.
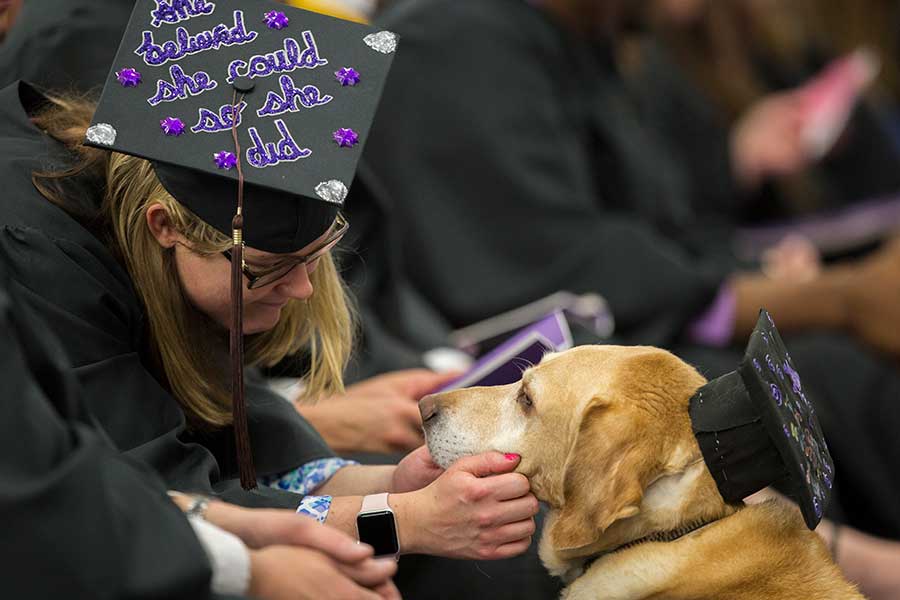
[{"x": 296, "y": 284}]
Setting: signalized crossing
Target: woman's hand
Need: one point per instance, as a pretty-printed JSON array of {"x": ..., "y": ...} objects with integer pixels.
[
  {"x": 767, "y": 140},
  {"x": 292, "y": 573},
  {"x": 380, "y": 414},
  {"x": 259, "y": 528},
  {"x": 296, "y": 557},
  {"x": 794, "y": 259},
  {"x": 414, "y": 472},
  {"x": 409, "y": 383},
  {"x": 477, "y": 509},
  {"x": 872, "y": 294}
]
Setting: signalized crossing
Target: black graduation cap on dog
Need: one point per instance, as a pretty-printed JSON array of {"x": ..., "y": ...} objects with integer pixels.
[
  {"x": 254, "y": 115},
  {"x": 756, "y": 427}
]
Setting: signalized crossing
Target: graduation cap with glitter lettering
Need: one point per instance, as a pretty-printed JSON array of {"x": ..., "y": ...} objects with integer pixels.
[
  {"x": 757, "y": 426},
  {"x": 253, "y": 114}
]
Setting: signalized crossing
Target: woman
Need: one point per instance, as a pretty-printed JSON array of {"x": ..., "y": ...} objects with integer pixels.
[
  {"x": 128, "y": 540},
  {"x": 124, "y": 258}
]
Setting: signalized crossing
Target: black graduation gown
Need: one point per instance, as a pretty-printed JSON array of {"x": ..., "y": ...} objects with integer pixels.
[
  {"x": 79, "y": 519},
  {"x": 515, "y": 165},
  {"x": 74, "y": 283},
  {"x": 64, "y": 44},
  {"x": 397, "y": 324}
]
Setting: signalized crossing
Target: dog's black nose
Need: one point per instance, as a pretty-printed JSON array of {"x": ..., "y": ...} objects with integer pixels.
[{"x": 428, "y": 407}]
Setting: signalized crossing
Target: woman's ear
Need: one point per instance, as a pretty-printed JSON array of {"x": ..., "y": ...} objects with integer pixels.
[{"x": 160, "y": 224}]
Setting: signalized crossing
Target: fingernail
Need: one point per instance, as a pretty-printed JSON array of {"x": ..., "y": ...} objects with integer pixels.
[{"x": 510, "y": 456}]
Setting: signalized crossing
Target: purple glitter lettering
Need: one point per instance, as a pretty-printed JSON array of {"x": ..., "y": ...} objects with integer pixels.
[
  {"x": 181, "y": 86},
  {"x": 212, "y": 122},
  {"x": 285, "y": 60},
  {"x": 292, "y": 99},
  {"x": 262, "y": 155},
  {"x": 185, "y": 44},
  {"x": 175, "y": 11}
]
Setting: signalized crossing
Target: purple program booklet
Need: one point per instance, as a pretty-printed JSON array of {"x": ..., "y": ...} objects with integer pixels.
[{"x": 505, "y": 363}]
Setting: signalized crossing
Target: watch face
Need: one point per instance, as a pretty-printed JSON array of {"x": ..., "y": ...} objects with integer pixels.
[{"x": 379, "y": 531}]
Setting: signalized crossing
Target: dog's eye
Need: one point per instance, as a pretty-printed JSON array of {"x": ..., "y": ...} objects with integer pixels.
[{"x": 524, "y": 401}]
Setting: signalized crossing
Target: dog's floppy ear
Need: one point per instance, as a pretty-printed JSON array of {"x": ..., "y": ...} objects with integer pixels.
[{"x": 604, "y": 476}]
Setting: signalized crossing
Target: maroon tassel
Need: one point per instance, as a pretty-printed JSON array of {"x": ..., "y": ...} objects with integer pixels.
[{"x": 238, "y": 407}]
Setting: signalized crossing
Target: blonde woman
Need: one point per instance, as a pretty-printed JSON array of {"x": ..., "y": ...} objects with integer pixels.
[{"x": 136, "y": 286}]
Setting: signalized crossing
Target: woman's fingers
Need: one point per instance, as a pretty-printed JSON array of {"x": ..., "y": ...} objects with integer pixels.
[{"x": 370, "y": 573}]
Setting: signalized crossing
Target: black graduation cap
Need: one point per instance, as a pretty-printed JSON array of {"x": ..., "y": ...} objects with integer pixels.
[
  {"x": 756, "y": 427},
  {"x": 254, "y": 115},
  {"x": 303, "y": 88}
]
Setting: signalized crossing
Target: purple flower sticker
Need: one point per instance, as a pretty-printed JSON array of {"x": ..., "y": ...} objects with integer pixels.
[
  {"x": 347, "y": 76},
  {"x": 795, "y": 377},
  {"x": 225, "y": 160},
  {"x": 346, "y": 138},
  {"x": 776, "y": 393},
  {"x": 128, "y": 77},
  {"x": 756, "y": 364},
  {"x": 276, "y": 19},
  {"x": 172, "y": 126}
]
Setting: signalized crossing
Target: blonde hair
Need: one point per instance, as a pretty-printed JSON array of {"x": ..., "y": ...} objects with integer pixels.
[{"x": 181, "y": 338}]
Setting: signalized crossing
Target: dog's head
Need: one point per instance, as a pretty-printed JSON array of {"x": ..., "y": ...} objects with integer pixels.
[{"x": 596, "y": 427}]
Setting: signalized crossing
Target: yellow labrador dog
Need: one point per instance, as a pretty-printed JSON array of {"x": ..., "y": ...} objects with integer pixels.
[{"x": 606, "y": 440}]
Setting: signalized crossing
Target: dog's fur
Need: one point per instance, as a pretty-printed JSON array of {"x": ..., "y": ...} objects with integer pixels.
[{"x": 607, "y": 443}]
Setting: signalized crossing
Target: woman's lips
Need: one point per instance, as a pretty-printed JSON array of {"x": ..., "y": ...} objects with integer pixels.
[{"x": 274, "y": 304}]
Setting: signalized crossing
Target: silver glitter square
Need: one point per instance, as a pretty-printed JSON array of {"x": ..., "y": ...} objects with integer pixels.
[
  {"x": 101, "y": 133},
  {"x": 333, "y": 191},
  {"x": 383, "y": 41}
]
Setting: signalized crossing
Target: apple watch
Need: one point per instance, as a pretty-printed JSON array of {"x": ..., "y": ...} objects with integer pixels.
[{"x": 376, "y": 526}]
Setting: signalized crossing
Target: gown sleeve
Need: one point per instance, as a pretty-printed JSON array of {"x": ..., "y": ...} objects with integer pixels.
[
  {"x": 495, "y": 180},
  {"x": 79, "y": 519}
]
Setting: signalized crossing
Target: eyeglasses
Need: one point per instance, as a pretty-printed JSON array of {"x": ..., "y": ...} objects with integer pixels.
[{"x": 257, "y": 278}]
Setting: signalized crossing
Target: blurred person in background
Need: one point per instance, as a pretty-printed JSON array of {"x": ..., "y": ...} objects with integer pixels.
[
  {"x": 719, "y": 81},
  {"x": 848, "y": 24},
  {"x": 64, "y": 45},
  {"x": 9, "y": 10}
]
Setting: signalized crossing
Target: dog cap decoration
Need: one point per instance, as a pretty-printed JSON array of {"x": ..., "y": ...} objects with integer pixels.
[
  {"x": 756, "y": 427},
  {"x": 254, "y": 115}
]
